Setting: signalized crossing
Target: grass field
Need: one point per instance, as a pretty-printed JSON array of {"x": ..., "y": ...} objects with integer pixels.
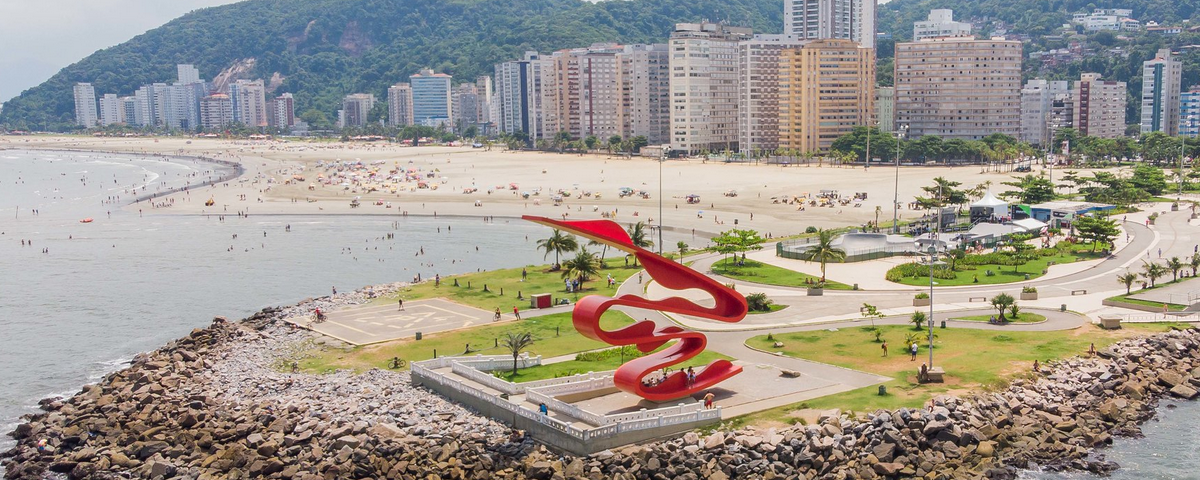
[
  {"x": 538, "y": 280},
  {"x": 775, "y": 307},
  {"x": 573, "y": 367},
  {"x": 973, "y": 360},
  {"x": 1174, "y": 307},
  {"x": 554, "y": 333},
  {"x": 1024, "y": 317},
  {"x": 977, "y": 274},
  {"x": 766, "y": 274}
]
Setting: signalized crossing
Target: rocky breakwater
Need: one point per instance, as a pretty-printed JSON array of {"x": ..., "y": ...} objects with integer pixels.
[{"x": 221, "y": 403}]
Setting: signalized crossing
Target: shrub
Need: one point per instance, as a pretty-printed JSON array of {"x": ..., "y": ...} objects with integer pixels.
[
  {"x": 1028, "y": 289},
  {"x": 810, "y": 229},
  {"x": 627, "y": 351},
  {"x": 918, "y": 320},
  {"x": 921, "y": 296},
  {"x": 758, "y": 302}
]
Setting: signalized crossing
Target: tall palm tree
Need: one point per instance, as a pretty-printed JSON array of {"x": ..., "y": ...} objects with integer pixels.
[
  {"x": 639, "y": 236},
  {"x": 683, "y": 249},
  {"x": 582, "y": 266},
  {"x": 1175, "y": 264},
  {"x": 1194, "y": 262},
  {"x": 558, "y": 243},
  {"x": 824, "y": 251},
  {"x": 1152, "y": 271},
  {"x": 1127, "y": 279},
  {"x": 603, "y": 250}
]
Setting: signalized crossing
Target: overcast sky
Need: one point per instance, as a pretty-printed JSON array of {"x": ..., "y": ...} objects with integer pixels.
[{"x": 39, "y": 37}]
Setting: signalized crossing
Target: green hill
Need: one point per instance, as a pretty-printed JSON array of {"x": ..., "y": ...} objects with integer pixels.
[{"x": 324, "y": 49}]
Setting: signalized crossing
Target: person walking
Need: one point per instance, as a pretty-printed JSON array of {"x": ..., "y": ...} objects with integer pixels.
[
  {"x": 517, "y": 313},
  {"x": 543, "y": 409},
  {"x": 334, "y": 290},
  {"x": 400, "y": 304}
]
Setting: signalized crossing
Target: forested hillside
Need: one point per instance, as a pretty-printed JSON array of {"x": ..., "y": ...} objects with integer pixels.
[{"x": 325, "y": 49}]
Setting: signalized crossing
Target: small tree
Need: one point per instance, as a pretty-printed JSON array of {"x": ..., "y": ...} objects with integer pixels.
[
  {"x": 824, "y": 251},
  {"x": 871, "y": 312},
  {"x": 918, "y": 319},
  {"x": 515, "y": 342},
  {"x": 1127, "y": 279},
  {"x": 1015, "y": 311},
  {"x": 1096, "y": 230},
  {"x": 1175, "y": 264},
  {"x": 1153, "y": 271},
  {"x": 683, "y": 249},
  {"x": 758, "y": 302},
  {"x": 1001, "y": 302},
  {"x": 1194, "y": 262}
]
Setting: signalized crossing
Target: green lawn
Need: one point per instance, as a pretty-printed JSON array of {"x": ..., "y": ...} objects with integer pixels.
[
  {"x": 573, "y": 367},
  {"x": 774, "y": 307},
  {"x": 1024, "y": 317},
  {"x": 758, "y": 272},
  {"x": 539, "y": 280},
  {"x": 555, "y": 336},
  {"x": 977, "y": 274},
  {"x": 973, "y": 359},
  {"x": 1174, "y": 307}
]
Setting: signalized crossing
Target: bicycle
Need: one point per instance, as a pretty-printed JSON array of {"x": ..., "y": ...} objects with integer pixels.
[{"x": 397, "y": 363}]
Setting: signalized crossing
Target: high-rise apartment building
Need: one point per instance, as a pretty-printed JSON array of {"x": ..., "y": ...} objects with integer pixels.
[
  {"x": 826, "y": 88},
  {"x": 129, "y": 110},
  {"x": 817, "y": 19},
  {"x": 958, "y": 87},
  {"x": 1161, "y": 86},
  {"x": 148, "y": 105},
  {"x": 1189, "y": 113},
  {"x": 645, "y": 109},
  {"x": 466, "y": 106},
  {"x": 112, "y": 111},
  {"x": 187, "y": 74},
  {"x": 85, "y": 105},
  {"x": 483, "y": 84},
  {"x": 283, "y": 112},
  {"x": 432, "y": 99},
  {"x": 704, "y": 86},
  {"x": 1098, "y": 106},
  {"x": 885, "y": 108},
  {"x": 1036, "y": 98},
  {"x": 524, "y": 93},
  {"x": 181, "y": 109},
  {"x": 940, "y": 24},
  {"x": 216, "y": 111},
  {"x": 400, "y": 105},
  {"x": 355, "y": 109},
  {"x": 587, "y": 90},
  {"x": 249, "y": 99},
  {"x": 758, "y": 91}
]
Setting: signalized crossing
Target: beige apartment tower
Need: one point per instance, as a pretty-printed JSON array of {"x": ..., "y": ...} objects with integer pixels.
[
  {"x": 758, "y": 91},
  {"x": 1099, "y": 109},
  {"x": 826, "y": 88},
  {"x": 704, "y": 86},
  {"x": 400, "y": 105},
  {"x": 958, "y": 87}
]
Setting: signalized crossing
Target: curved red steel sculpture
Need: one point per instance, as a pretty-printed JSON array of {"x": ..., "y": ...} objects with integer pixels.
[{"x": 730, "y": 307}]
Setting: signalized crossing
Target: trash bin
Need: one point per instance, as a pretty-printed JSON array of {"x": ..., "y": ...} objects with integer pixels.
[
  {"x": 1062, "y": 308},
  {"x": 856, "y": 286},
  {"x": 418, "y": 335},
  {"x": 1027, "y": 276},
  {"x": 943, "y": 324},
  {"x": 882, "y": 390}
]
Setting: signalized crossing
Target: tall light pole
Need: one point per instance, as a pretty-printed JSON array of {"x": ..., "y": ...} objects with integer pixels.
[
  {"x": 896, "y": 198},
  {"x": 933, "y": 257},
  {"x": 662, "y": 159},
  {"x": 1182, "y": 148}
]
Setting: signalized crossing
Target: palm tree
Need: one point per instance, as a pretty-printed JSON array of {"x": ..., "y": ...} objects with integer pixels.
[
  {"x": 515, "y": 342},
  {"x": 558, "y": 242},
  {"x": 918, "y": 321},
  {"x": 824, "y": 251},
  {"x": 1001, "y": 302},
  {"x": 683, "y": 249},
  {"x": 1194, "y": 263},
  {"x": 1152, "y": 271},
  {"x": 603, "y": 250},
  {"x": 637, "y": 235},
  {"x": 583, "y": 265},
  {"x": 1127, "y": 279},
  {"x": 1175, "y": 264}
]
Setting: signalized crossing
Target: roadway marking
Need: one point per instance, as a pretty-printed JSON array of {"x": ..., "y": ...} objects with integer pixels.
[{"x": 352, "y": 328}]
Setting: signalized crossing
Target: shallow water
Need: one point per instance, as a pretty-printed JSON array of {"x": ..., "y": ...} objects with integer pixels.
[{"x": 128, "y": 283}]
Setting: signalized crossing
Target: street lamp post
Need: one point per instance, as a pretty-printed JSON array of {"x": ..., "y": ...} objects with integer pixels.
[
  {"x": 896, "y": 198},
  {"x": 662, "y": 159},
  {"x": 932, "y": 259}
]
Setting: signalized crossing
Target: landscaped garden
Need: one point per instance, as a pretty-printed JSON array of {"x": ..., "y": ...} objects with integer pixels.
[
  {"x": 1021, "y": 263},
  {"x": 758, "y": 272}
]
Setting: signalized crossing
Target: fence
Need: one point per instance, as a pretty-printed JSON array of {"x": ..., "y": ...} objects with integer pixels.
[
  {"x": 1160, "y": 317},
  {"x": 795, "y": 250}
]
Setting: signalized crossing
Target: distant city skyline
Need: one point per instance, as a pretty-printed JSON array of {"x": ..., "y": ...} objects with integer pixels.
[{"x": 42, "y": 37}]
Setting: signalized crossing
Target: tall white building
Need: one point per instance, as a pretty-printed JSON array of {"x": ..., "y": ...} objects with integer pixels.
[
  {"x": 283, "y": 112},
  {"x": 355, "y": 108},
  {"x": 1098, "y": 106},
  {"x": 483, "y": 84},
  {"x": 249, "y": 99},
  {"x": 216, "y": 111},
  {"x": 645, "y": 109},
  {"x": 187, "y": 73},
  {"x": 758, "y": 91},
  {"x": 704, "y": 86},
  {"x": 1161, "y": 87},
  {"x": 112, "y": 111},
  {"x": 940, "y": 24},
  {"x": 1036, "y": 98},
  {"x": 129, "y": 110},
  {"x": 845, "y": 19},
  {"x": 85, "y": 105},
  {"x": 400, "y": 105},
  {"x": 523, "y": 92},
  {"x": 432, "y": 99}
]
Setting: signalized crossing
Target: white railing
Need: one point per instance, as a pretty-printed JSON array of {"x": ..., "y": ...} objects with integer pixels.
[
  {"x": 565, "y": 408},
  {"x": 497, "y": 362},
  {"x": 658, "y": 412},
  {"x": 592, "y": 382},
  {"x": 1160, "y": 317},
  {"x": 504, "y": 386},
  {"x": 549, "y": 382}
]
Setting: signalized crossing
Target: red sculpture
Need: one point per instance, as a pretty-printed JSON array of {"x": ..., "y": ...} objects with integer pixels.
[{"x": 730, "y": 307}]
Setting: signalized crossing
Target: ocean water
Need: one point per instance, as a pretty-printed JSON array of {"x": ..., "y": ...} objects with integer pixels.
[{"x": 129, "y": 282}]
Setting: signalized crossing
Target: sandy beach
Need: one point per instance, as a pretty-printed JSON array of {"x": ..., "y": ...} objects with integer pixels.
[{"x": 273, "y": 169}]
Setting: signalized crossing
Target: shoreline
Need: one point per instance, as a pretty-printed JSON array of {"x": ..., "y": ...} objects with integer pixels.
[{"x": 1053, "y": 420}]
